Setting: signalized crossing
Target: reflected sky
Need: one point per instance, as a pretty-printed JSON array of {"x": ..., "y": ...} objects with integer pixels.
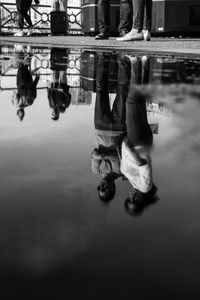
[{"x": 54, "y": 229}]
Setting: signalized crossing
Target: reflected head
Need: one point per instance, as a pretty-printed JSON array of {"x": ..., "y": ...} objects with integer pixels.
[
  {"x": 106, "y": 191},
  {"x": 21, "y": 114},
  {"x": 55, "y": 115}
]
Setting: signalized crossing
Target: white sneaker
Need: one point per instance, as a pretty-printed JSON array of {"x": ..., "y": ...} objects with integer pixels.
[
  {"x": 133, "y": 35},
  {"x": 19, "y": 33},
  {"x": 147, "y": 35},
  {"x": 19, "y": 47},
  {"x": 30, "y": 31}
]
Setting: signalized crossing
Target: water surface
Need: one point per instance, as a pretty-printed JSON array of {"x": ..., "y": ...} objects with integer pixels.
[{"x": 58, "y": 240}]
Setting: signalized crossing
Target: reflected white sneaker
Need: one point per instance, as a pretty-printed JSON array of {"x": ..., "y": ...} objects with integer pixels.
[
  {"x": 133, "y": 35},
  {"x": 147, "y": 35},
  {"x": 30, "y": 31},
  {"x": 19, "y": 33}
]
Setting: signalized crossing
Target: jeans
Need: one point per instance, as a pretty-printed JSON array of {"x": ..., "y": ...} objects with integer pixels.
[
  {"x": 23, "y": 6},
  {"x": 125, "y": 15},
  {"x": 138, "y": 129},
  {"x": 142, "y": 10},
  {"x": 105, "y": 118}
]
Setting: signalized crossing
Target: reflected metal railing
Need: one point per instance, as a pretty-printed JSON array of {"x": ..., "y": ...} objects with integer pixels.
[
  {"x": 40, "y": 15},
  {"x": 40, "y": 64}
]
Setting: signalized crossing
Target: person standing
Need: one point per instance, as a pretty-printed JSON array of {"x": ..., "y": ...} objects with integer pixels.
[
  {"x": 104, "y": 18},
  {"x": 142, "y": 10},
  {"x": 23, "y": 7}
]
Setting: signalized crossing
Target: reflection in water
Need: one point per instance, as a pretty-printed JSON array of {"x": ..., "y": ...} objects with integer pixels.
[
  {"x": 58, "y": 90},
  {"x": 123, "y": 135},
  {"x": 136, "y": 148},
  {"x": 55, "y": 234},
  {"x": 26, "y": 87},
  {"x": 110, "y": 130}
]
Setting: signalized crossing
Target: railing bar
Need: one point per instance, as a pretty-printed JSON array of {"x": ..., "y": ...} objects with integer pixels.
[{"x": 76, "y": 13}]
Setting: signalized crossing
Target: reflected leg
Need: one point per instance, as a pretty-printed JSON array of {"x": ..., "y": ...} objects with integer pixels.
[
  {"x": 119, "y": 106},
  {"x": 103, "y": 114},
  {"x": 138, "y": 129}
]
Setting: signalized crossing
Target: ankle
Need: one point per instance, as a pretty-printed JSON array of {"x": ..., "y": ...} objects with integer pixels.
[{"x": 136, "y": 30}]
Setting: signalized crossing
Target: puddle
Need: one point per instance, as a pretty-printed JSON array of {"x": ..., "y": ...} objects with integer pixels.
[{"x": 71, "y": 120}]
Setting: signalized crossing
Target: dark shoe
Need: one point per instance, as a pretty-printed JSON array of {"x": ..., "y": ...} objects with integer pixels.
[
  {"x": 122, "y": 33},
  {"x": 102, "y": 36}
]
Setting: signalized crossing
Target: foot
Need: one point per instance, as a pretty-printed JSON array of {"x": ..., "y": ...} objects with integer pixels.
[
  {"x": 102, "y": 36},
  {"x": 147, "y": 35},
  {"x": 133, "y": 35},
  {"x": 19, "y": 33},
  {"x": 30, "y": 31},
  {"x": 19, "y": 48},
  {"x": 122, "y": 33}
]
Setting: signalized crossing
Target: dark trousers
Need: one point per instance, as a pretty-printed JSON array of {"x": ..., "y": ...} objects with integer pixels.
[
  {"x": 142, "y": 10},
  {"x": 23, "y": 7},
  {"x": 138, "y": 129},
  {"x": 105, "y": 118},
  {"x": 125, "y": 15}
]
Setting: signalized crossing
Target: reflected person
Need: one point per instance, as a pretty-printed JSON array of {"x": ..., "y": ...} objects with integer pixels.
[
  {"x": 26, "y": 87},
  {"x": 110, "y": 129},
  {"x": 136, "y": 147},
  {"x": 58, "y": 94}
]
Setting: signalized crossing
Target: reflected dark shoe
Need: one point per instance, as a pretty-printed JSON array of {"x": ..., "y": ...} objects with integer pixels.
[
  {"x": 136, "y": 203},
  {"x": 102, "y": 36}
]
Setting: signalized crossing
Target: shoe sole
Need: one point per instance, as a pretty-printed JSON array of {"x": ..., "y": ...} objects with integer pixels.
[{"x": 131, "y": 40}]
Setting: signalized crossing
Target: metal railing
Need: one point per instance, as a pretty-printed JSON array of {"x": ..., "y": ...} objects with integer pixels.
[{"x": 40, "y": 15}]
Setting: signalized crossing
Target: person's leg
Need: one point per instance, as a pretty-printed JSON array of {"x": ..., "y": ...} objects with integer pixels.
[
  {"x": 148, "y": 15},
  {"x": 138, "y": 14},
  {"x": 26, "y": 8},
  {"x": 126, "y": 12},
  {"x": 138, "y": 129},
  {"x": 19, "y": 4},
  {"x": 136, "y": 33},
  {"x": 104, "y": 16},
  {"x": 102, "y": 118}
]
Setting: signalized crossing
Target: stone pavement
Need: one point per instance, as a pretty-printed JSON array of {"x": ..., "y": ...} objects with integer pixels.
[{"x": 186, "y": 47}]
